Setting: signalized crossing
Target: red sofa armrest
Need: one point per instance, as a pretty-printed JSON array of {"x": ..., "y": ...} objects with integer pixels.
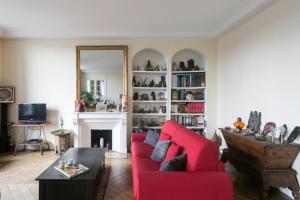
[
  {"x": 153, "y": 185},
  {"x": 138, "y": 137}
]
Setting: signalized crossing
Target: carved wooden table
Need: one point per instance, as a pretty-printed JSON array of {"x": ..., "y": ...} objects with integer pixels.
[{"x": 271, "y": 162}]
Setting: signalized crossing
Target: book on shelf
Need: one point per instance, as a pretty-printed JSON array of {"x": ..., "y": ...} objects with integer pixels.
[
  {"x": 194, "y": 107},
  {"x": 193, "y": 121},
  {"x": 188, "y": 80},
  {"x": 71, "y": 172}
]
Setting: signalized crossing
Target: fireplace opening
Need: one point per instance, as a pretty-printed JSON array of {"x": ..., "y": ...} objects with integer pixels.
[{"x": 96, "y": 136}]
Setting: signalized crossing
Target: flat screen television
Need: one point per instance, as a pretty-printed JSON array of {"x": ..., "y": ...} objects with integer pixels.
[{"x": 35, "y": 113}]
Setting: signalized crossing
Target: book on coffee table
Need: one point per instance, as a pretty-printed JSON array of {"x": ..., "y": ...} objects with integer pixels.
[{"x": 71, "y": 171}]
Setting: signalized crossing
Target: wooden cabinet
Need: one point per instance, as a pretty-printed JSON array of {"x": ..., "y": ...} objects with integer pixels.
[{"x": 271, "y": 162}]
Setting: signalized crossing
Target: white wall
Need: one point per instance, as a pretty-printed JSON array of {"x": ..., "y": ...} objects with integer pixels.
[
  {"x": 259, "y": 68},
  {"x": 45, "y": 71}
]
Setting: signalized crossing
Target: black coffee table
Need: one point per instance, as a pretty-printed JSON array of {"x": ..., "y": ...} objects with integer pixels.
[{"x": 54, "y": 185}]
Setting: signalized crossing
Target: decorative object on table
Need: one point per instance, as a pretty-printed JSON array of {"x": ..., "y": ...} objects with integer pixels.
[
  {"x": 108, "y": 146},
  {"x": 151, "y": 84},
  {"x": 89, "y": 100},
  {"x": 71, "y": 170},
  {"x": 294, "y": 134},
  {"x": 153, "y": 96},
  {"x": 62, "y": 140},
  {"x": 238, "y": 124},
  {"x": 161, "y": 96},
  {"x": 189, "y": 96},
  {"x": 182, "y": 66},
  {"x": 101, "y": 107},
  {"x": 136, "y": 96},
  {"x": 282, "y": 132},
  {"x": 268, "y": 128},
  {"x": 144, "y": 97},
  {"x": 79, "y": 105},
  {"x": 254, "y": 121},
  {"x": 134, "y": 83},
  {"x": 227, "y": 128},
  {"x": 62, "y": 164},
  {"x": 61, "y": 123},
  {"x": 124, "y": 103},
  {"x": 162, "y": 82},
  {"x": 101, "y": 142},
  {"x": 149, "y": 66}
]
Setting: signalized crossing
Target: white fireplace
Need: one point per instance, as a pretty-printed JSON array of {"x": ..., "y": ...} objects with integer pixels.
[{"x": 84, "y": 122}]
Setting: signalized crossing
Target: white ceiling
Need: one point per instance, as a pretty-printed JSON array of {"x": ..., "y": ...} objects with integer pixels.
[
  {"x": 123, "y": 18},
  {"x": 101, "y": 60}
]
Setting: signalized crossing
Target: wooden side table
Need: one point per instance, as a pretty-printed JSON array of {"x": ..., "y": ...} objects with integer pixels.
[
  {"x": 62, "y": 140},
  {"x": 270, "y": 161}
]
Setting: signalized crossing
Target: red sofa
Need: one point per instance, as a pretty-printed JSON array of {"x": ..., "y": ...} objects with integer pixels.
[{"x": 204, "y": 177}]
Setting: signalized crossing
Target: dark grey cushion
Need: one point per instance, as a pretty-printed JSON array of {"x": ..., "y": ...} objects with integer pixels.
[
  {"x": 151, "y": 138},
  {"x": 160, "y": 150},
  {"x": 174, "y": 164}
]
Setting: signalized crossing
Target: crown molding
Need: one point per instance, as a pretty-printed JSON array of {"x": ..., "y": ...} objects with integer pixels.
[{"x": 251, "y": 9}]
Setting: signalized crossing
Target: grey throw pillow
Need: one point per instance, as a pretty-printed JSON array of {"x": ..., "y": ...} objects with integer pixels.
[
  {"x": 160, "y": 150},
  {"x": 174, "y": 164},
  {"x": 151, "y": 138}
]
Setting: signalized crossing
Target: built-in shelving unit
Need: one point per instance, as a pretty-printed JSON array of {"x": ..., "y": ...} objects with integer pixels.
[{"x": 182, "y": 98}]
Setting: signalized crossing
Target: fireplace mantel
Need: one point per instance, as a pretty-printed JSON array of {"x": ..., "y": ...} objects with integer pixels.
[{"x": 84, "y": 122}]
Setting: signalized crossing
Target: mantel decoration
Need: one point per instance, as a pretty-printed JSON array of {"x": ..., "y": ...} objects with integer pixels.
[{"x": 238, "y": 124}]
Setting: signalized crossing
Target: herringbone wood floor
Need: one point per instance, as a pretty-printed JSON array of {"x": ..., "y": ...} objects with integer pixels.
[{"x": 17, "y": 176}]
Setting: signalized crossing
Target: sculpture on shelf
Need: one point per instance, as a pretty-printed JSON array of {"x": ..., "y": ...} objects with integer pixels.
[
  {"x": 254, "y": 122},
  {"x": 162, "y": 109},
  {"x": 151, "y": 84},
  {"x": 162, "y": 82},
  {"x": 149, "y": 66},
  {"x": 134, "y": 83},
  {"x": 161, "y": 96},
  {"x": 174, "y": 66},
  {"x": 154, "y": 109},
  {"x": 153, "y": 96},
  {"x": 144, "y": 84},
  {"x": 136, "y": 96},
  {"x": 268, "y": 128},
  {"x": 282, "y": 132},
  {"x": 144, "y": 97},
  {"x": 191, "y": 65},
  {"x": 163, "y": 67},
  {"x": 182, "y": 66},
  {"x": 156, "y": 68}
]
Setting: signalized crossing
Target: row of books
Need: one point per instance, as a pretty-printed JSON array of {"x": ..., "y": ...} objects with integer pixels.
[
  {"x": 182, "y": 94},
  {"x": 197, "y": 107},
  {"x": 195, "y": 121},
  {"x": 188, "y": 80}
]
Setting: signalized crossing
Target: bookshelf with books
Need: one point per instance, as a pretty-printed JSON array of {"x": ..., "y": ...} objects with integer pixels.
[{"x": 188, "y": 89}]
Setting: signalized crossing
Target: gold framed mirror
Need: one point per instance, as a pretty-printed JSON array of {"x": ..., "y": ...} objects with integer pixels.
[{"x": 102, "y": 72}]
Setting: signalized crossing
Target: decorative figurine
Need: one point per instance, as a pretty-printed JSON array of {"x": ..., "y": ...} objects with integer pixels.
[
  {"x": 174, "y": 66},
  {"x": 162, "y": 82},
  {"x": 283, "y": 132},
  {"x": 161, "y": 96},
  {"x": 151, "y": 84},
  {"x": 163, "y": 67},
  {"x": 239, "y": 125},
  {"x": 134, "y": 83},
  {"x": 156, "y": 68},
  {"x": 153, "y": 96},
  {"x": 182, "y": 66},
  {"x": 254, "y": 121},
  {"x": 136, "y": 96},
  {"x": 294, "y": 134},
  {"x": 269, "y": 128},
  {"x": 189, "y": 96},
  {"x": 149, "y": 66},
  {"x": 191, "y": 65},
  {"x": 144, "y": 97},
  {"x": 144, "y": 84},
  {"x": 162, "y": 109}
]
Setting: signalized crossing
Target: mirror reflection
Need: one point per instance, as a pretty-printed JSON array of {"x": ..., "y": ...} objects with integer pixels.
[{"x": 101, "y": 75}]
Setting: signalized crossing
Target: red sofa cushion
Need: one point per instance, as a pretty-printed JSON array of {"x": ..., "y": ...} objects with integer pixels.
[
  {"x": 202, "y": 154},
  {"x": 170, "y": 127},
  {"x": 141, "y": 149},
  {"x": 173, "y": 151},
  {"x": 164, "y": 136}
]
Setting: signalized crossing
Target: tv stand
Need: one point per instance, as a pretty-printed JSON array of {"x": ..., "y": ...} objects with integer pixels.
[{"x": 39, "y": 141}]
